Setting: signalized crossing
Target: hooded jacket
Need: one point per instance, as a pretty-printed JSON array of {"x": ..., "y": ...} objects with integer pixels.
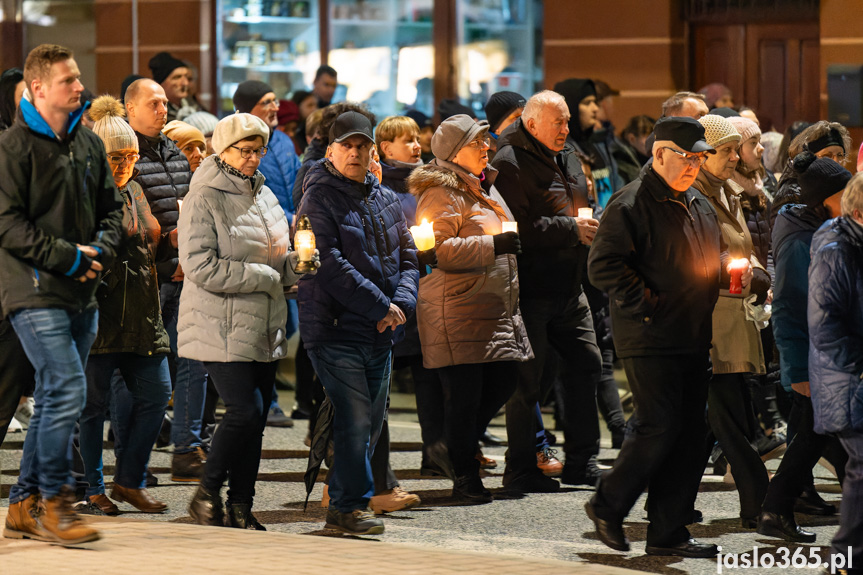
[
  {"x": 544, "y": 190},
  {"x": 836, "y": 326},
  {"x": 657, "y": 255},
  {"x": 368, "y": 260},
  {"x": 234, "y": 244},
  {"x": 130, "y": 317},
  {"x": 164, "y": 175},
  {"x": 468, "y": 307},
  {"x": 792, "y": 238},
  {"x": 55, "y": 192}
]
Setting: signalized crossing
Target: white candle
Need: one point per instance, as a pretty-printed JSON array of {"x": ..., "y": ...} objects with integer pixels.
[
  {"x": 586, "y": 213},
  {"x": 423, "y": 235},
  {"x": 509, "y": 227}
]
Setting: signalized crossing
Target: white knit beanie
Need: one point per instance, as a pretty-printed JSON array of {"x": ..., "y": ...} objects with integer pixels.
[
  {"x": 231, "y": 129},
  {"x": 718, "y": 130},
  {"x": 110, "y": 125}
]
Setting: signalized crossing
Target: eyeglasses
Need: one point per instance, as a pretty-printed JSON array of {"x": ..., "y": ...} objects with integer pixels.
[
  {"x": 838, "y": 158},
  {"x": 696, "y": 160},
  {"x": 246, "y": 153},
  {"x": 480, "y": 143},
  {"x": 268, "y": 103},
  {"x": 119, "y": 160}
]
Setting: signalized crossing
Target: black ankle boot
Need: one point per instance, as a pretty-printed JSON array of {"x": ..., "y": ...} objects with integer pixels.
[
  {"x": 206, "y": 508},
  {"x": 240, "y": 517},
  {"x": 469, "y": 489}
]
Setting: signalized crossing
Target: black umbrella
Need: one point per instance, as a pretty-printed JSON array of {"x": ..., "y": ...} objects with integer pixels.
[{"x": 321, "y": 437}]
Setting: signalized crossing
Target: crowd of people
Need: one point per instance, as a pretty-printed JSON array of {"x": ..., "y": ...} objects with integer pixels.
[{"x": 153, "y": 253}]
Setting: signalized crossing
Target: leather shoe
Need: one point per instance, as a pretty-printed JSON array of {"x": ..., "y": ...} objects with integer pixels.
[
  {"x": 688, "y": 548},
  {"x": 206, "y": 508},
  {"x": 490, "y": 440},
  {"x": 609, "y": 532},
  {"x": 811, "y": 503},
  {"x": 104, "y": 504},
  {"x": 533, "y": 483},
  {"x": 469, "y": 489},
  {"x": 140, "y": 499},
  {"x": 240, "y": 517},
  {"x": 783, "y": 527}
]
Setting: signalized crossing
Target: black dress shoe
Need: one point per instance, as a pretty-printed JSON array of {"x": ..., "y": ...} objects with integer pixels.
[
  {"x": 811, "y": 503},
  {"x": 783, "y": 527},
  {"x": 749, "y": 522},
  {"x": 688, "y": 548},
  {"x": 487, "y": 439},
  {"x": 533, "y": 483},
  {"x": 206, "y": 508},
  {"x": 469, "y": 489},
  {"x": 610, "y": 532},
  {"x": 240, "y": 517}
]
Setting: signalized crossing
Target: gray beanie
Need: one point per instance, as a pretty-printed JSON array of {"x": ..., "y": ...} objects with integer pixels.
[
  {"x": 231, "y": 129},
  {"x": 453, "y": 134}
]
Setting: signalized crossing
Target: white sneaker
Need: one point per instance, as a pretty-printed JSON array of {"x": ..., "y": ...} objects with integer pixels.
[
  {"x": 25, "y": 412},
  {"x": 14, "y": 427}
]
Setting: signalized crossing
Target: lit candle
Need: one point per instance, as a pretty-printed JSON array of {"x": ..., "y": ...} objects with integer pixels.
[
  {"x": 509, "y": 227},
  {"x": 304, "y": 243},
  {"x": 586, "y": 213},
  {"x": 736, "y": 268},
  {"x": 179, "y": 205},
  {"x": 423, "y": 235}
]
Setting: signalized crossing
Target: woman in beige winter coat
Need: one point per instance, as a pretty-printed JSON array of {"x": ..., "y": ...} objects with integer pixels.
[
  {"x": 736, "y": 341},
  {"x": 236, "y": 254},
  {"x": 469, "y": 322}
]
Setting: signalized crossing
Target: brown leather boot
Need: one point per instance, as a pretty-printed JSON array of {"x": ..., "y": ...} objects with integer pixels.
[
  {"x": 62, "y": 523},
  {"x": 23, "y": 520},
  {"x": 188, "y": 467},
  {"x": 138, "y": 498}
]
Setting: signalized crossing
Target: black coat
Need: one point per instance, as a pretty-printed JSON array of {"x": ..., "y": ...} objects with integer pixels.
[
  {"x": 55, "y": 192},
  {"x": 543, "y": 190},
  {"x": 164, "y": 175},
  {"x": 314, "y": 152},
  {"x": 658, "y": 257}
]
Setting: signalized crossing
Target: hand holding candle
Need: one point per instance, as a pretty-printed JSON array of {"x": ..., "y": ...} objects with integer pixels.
[
  {"x": 423, "y": 235},
  {"x": 741, "y": 272}
]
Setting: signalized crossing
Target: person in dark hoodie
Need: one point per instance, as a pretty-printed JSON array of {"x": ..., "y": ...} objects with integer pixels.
[
  {"x": 541, "y": 180},
  {"x": 821, "y": 184},
  {"x": 501, "y": 110},
  {"x": 580, "y": 96}
]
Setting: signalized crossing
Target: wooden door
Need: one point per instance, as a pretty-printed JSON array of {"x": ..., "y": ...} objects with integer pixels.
[{"x": 772, "y": 68}]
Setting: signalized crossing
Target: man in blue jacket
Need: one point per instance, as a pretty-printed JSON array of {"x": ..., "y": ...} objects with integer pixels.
[
  {"x": 365, "y": 288},
  {"x": 60, "y": 223}
]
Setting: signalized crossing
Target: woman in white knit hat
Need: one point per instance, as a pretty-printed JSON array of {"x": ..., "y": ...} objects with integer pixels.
[
  {"x": 131, "y": 337},
  {"x": 236, "y": 254}
]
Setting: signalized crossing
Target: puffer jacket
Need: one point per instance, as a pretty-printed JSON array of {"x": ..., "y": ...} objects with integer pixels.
[
  {"x": 836, "y": 326},
  {"x": 164, "y": 175},
  {"x": 130, "y": 317},
  {"x": 280, "y": 167},
  {"x": 55, "y": 192},
  {"x": 792, "y": 238},
  {"x": 468, "y": 307},
  {"x": 234, "y": 244},
  {"x": 368, "y": 260},
  {"x": 315, "y": 152},
  {"x": 736, "y": 345},
  {"x": 544, "y": 190}
]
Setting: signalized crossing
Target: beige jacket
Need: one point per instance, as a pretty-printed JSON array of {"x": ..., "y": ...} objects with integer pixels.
[
  {"x": 467, "y": 310},
  {"x": 736, "y": 340}
]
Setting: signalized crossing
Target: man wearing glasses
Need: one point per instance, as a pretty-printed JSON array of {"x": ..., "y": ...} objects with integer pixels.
[
  {"x": 540, "y": 178},
  {"x": 657, "y": 254},
  {"x": 164, "y": 175}
]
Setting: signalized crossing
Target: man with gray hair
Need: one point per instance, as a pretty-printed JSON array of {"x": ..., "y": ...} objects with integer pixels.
[
  {"x": 540, "y": 178},
  {"x": 683, "y": 104},
  {"x": 657, "y": 254}
]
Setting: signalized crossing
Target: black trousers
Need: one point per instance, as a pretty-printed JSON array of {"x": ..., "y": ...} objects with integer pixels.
[
  {"x": 566, "y": 326},
  {"x": 235, "y": 455},
  {"x": 430, "y": 405},
  {"x": 729, "y": 411},
  {"x": 17, "y": 376},
  {"x": 662, "y": 449},
  {"x": 472, "y": 393},
  {"x": 804, "y": 450},
  {"x": 607, "y": 397}
]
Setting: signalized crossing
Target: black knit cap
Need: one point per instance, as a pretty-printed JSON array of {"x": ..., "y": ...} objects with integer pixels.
[
  {"x": 725, "y": 112},
  {"x": 162, "y": 64},
  {"x": 500, "y": 105},
  {"x": 819, "y": 178},
  {"x": 248, "y": 94},
  {"x": 450, "y": 107}
]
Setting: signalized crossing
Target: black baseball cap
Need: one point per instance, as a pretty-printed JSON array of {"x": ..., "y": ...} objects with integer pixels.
[
  {"x": 686, "y": 132},
  {"x": 351, "y": 124}
]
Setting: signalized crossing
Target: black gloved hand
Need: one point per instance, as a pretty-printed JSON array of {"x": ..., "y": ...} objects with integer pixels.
[
  {"x": 759, "y": 285},
  {"x": 427, "y": 258},
  {"x": 85, "y": 262},
  {"x": 506, "y": 243}
]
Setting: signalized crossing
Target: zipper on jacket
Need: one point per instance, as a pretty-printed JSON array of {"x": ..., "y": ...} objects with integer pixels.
[
  {"x": 125, "y": 288},
  {"x": 71, "y": 151},
  {"x": 36, "y": 279},
  {"x": 86, "y": 177}
]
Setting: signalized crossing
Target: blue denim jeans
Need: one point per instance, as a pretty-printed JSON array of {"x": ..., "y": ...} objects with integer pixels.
[
  {"x": 190, "y": 387},
  {"x": 148, "y": 380},
  {"x": 356, "y": 380},
  {"x": 57, "y": 343}
]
